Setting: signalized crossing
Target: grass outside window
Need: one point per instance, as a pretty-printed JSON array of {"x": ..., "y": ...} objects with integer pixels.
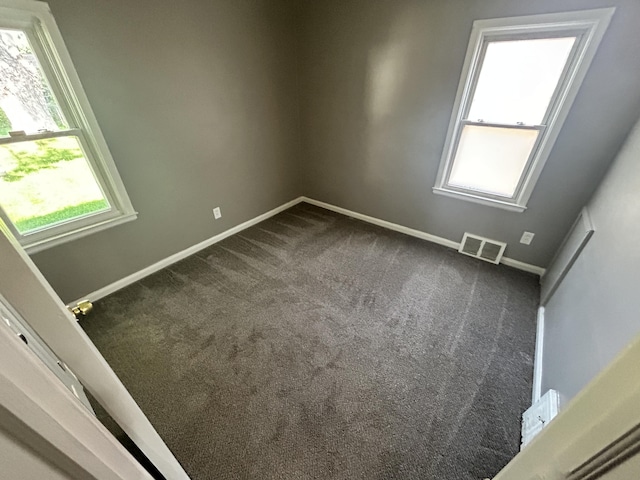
[{"x": 47, "y": 182}]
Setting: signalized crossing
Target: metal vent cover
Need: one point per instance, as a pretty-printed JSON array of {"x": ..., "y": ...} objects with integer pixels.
[
  {"x": 471, "y": 246},
  {"x": 482, "y": 248}
]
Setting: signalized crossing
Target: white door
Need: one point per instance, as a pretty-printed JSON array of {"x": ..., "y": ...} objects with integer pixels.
[
  {"x": 12, "y": 320},
  {"x": 27, "y": 292},
  {"x": 45, "y": 433}
]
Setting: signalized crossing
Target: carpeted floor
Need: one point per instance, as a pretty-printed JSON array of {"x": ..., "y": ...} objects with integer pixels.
[{"x": 315, "y": 346}]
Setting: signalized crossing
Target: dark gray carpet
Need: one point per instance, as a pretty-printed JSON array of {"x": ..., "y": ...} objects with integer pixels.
[{"x": 315, "y": 346}]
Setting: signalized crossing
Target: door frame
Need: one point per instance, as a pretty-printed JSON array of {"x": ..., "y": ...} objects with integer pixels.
[
  {"x": 597, "y": 431},
  {"x": 33, "y": 298},
  {"x": 40, "y": 413}
]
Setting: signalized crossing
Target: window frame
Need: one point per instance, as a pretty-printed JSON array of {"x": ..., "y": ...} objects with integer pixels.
[
  {"x": 589, "y": 27},
  {"x": 35, "y": 19}
]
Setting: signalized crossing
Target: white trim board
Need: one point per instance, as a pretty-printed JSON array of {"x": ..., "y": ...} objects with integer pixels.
[
  {"x": 525, "y": 267},
  {"x": 139, "y": 275},
  {"x": 510, "y": 262},
  {"x": 176, "y": 257},
  {"x": 537, "y": 360}
]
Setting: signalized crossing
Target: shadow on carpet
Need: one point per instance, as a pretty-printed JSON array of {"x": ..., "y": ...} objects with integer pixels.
[{"x": 316, "y": 346}]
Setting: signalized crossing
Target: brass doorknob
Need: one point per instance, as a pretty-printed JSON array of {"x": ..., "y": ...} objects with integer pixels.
[{"x": 82, "y": 309}]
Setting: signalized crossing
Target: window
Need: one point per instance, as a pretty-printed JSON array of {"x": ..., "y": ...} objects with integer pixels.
[
  {"x": 519, "y": 79},
  {"x": 57, "y": 178}
]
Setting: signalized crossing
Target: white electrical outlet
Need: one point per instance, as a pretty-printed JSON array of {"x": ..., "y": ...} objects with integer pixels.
[
  {"x": 217, "y": 213},
  {"x": 527, "y": 238}
]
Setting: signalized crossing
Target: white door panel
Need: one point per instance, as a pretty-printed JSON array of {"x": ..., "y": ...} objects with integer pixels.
[
  {"x": 13, "y": 321},
  {"x": 32, "y": 298}
]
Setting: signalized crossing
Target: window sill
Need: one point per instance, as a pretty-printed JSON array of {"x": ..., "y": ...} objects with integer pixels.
[
  {"x": 61, "y": 238},
  {"x": 470, "y": 197}
]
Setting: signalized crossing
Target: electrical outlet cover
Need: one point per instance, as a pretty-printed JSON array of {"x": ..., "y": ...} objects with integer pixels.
[{"x": 527, "y": 238}]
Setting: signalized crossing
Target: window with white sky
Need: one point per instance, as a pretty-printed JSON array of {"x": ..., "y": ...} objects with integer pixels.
[{"x": 517, "y": 86}]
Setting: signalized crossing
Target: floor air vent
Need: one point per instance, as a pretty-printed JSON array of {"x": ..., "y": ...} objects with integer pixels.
[{"x": 482, "y": 248}]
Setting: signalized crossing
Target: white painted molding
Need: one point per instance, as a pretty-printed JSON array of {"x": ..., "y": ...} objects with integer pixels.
[
  {"x": 526, "y": 267},
  {"x": 419, "y": 234},
  {"x": 176, "y": 257},
  {"x": 384, "y": 223},
  {"x": 537, "y": 361},
  {"x": 570, "y": 249},
  {"x": 139, "y": 275}
]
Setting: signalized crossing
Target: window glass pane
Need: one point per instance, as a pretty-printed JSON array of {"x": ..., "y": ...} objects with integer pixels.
[
  {"x": 26, "y": 100},
  {"x": 46, "y": 182},
  {"x": 518, "y": 79},
  {"x": 491, "y": 159}
]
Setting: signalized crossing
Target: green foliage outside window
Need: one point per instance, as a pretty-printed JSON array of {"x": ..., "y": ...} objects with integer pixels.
[
  {"x": 5, "y": 124},
  {"x": 45, "y": 156}
]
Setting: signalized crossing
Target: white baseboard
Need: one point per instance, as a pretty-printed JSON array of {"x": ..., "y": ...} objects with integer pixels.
[
  {"x": 385, "y": 224},
  {"x": 140, "y": 274},
  {"x": 525, "y": 267},
  {"x": 510, "y": 262},
  {"x": 537, "y": 361},
  {"x": 134, "y": 277}
]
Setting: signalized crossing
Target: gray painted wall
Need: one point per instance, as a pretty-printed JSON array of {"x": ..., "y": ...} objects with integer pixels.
[
  {"x": 595, "y": 312},
  {"x": 247, "y": 104},
  {"x": 378, "y": 82},
  {"x": 197, "y": 101}
]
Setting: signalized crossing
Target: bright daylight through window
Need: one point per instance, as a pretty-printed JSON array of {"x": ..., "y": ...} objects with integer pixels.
[
  {"x": 519, "y": 81},
  {"x": 57, "y": 178}
]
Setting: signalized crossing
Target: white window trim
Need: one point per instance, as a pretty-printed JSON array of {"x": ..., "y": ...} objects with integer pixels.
[
  {"x": 36, "y": 19},
  {"x": 591, "y": 26}
]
